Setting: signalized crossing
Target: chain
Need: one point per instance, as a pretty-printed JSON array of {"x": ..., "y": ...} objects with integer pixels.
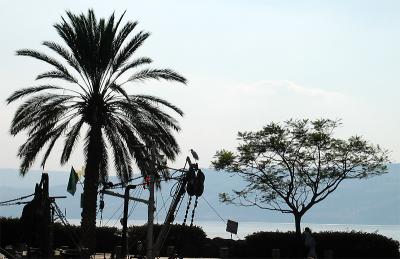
[
  {"x": 187, "y": 210},
  {"x": 194, "y": 208}
]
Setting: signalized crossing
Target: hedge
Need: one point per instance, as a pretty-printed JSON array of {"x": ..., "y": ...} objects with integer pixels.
[
  {"x": 187, "y": 239},
  {"x": 192, "y": 242},
  {"x": 342, "y": 244}
]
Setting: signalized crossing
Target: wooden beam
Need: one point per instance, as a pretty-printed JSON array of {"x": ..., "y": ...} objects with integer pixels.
[{"x": 122, "y": 196}]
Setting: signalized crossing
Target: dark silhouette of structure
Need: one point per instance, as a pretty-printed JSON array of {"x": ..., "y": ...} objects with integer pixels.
[{"x": 36, "y": 219}]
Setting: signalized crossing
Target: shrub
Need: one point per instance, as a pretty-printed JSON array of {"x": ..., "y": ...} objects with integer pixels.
[
  {"x": 188, "y": 241},
  {"x": 357, "y": 244},
  {"x": 343, "y": 245},
  {"x": 10, "y": 231}
]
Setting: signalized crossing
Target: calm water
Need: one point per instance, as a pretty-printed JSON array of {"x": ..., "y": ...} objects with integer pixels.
[{"x": 217, "y": 228}]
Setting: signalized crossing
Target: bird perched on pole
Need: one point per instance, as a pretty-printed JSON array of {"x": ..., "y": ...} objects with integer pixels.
[{"x": 194, "y": 154}]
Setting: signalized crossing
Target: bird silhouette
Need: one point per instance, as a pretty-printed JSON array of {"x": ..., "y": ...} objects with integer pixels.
[{"x": 194, "y": 154}]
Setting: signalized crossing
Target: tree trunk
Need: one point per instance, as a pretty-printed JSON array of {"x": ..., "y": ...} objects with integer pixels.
[
  {"x": 300, "y": 243},
  {"x": 297, "y": 220},
  {"x": 88, "y": 223}
]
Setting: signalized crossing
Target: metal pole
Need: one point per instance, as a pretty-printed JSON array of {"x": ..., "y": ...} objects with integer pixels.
[
  {"x": 125, "y": 221},
  {"x": 169, "y": 218},
  {"x": 150, "y": 210}
]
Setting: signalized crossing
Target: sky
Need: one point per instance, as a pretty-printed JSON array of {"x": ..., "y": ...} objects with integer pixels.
[{"x": 248, "y": 63}]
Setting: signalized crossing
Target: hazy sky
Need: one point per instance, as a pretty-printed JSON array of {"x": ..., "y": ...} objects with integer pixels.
[{"x": 248, "y": 63}]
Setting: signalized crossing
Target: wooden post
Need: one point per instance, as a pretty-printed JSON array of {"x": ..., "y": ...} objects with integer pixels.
[
  {"x": 150, "y": 208},
  {"x": 125, "y": 249}
]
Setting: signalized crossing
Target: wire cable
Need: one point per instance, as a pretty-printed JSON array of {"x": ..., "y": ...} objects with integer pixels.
[
  {"x": 135, "y": 203},
  {"x": 216, "y": 212},
  {"x": 164, "y": 205},
  {"x": 20, "y": 198},
  {"x": 115, "y": 212},
  {"x": 14, "y": 203}
]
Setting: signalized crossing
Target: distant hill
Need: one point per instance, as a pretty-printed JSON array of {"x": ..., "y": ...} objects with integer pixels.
[{"x": 371, "y": 201}]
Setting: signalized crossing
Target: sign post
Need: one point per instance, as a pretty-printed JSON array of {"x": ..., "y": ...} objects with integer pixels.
[{"x": 232, "y": 227}]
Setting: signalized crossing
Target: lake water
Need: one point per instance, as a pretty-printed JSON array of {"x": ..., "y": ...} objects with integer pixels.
[{"x": 217, "y": 228}]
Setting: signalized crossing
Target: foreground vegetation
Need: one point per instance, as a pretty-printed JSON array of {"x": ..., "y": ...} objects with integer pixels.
[{"x": 193, "y": 242}]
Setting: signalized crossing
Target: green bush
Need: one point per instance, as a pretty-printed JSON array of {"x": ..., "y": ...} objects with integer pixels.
[
  {"x": 10, "y": 231},
  {"x": 188, "y": 241},
  {"x": 343, "y": 245},
  {"x": 260, "y": 244},
  {"x": 357, "y": 244}
]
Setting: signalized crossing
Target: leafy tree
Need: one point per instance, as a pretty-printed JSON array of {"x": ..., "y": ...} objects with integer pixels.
[
  {"x": 292, "y": 166},
  {"x": 92, "y": 69}
]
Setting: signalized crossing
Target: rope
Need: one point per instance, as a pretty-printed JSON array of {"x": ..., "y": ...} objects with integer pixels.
[{"x": 172, "y": 188}]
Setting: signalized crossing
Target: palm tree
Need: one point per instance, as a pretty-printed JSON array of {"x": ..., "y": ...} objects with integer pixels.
[{"x": 91, "y": 72}]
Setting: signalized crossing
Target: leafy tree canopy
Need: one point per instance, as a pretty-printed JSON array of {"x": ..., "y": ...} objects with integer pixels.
[{"x": 290, "y": 167}]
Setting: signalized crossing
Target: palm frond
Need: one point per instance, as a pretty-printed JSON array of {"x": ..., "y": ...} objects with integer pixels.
[
  {"x": 56, "y": 135},
  {"x": 116, "y": 88},
  {"x": 126, "y": 52},
  {"x": 30, "y": 90},
  {"x": 63, "y": 53},
  {"x": 30, "y": 149},
  {"x": 123, "y": 33},
  {"x": 56, "y": 74},
  {"x": 157, "y": 100},
  {"x": 166, "y": 74},
  {"x": 121, "y": 156},
  {"x": 45, "y": 58},
  {"x": 38, "y": 111},
  {"x": 72, "y": 136},
  {"x": 134, "y": 64}
]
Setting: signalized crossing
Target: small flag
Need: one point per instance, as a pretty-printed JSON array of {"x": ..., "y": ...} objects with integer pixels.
[
  {"x": 73, "y": 180},
  {"x": 81, "y": 172}
]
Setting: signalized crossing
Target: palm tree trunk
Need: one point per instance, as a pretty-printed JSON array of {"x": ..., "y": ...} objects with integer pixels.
[{"x": 91, "y": 183}]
